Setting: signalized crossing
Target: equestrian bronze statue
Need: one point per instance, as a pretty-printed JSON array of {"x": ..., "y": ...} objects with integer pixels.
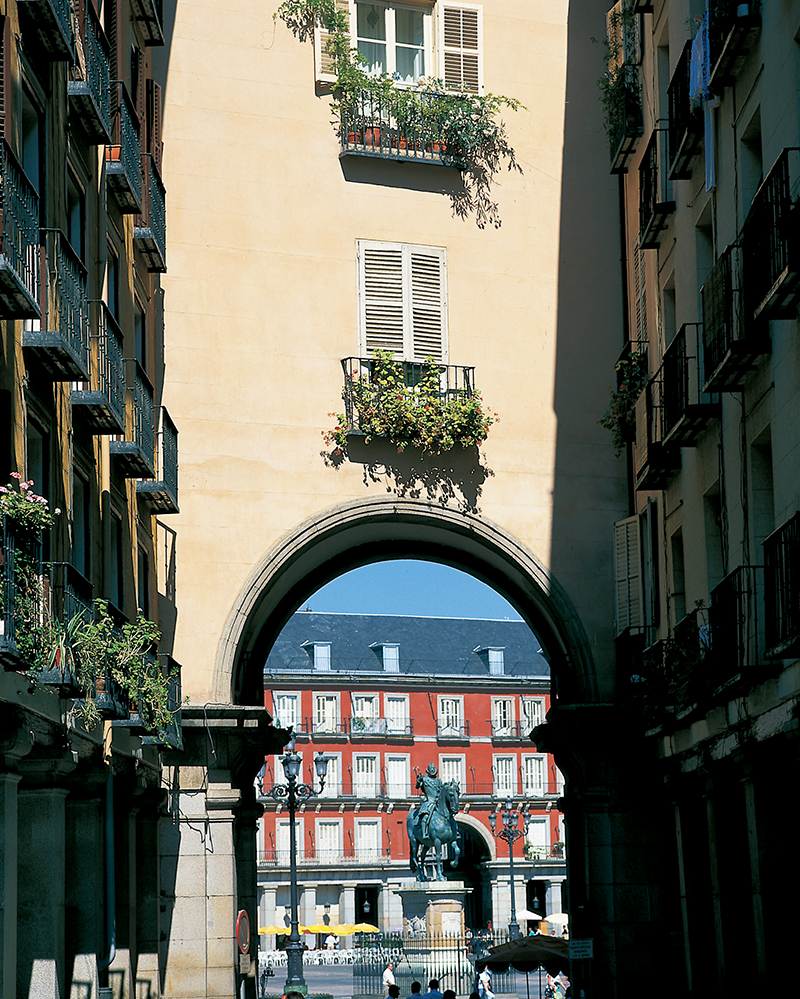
[{"x": 432, "y": 823}]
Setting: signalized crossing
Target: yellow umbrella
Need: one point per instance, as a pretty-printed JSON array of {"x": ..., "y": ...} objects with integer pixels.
[
  {"x": 342, "y": 929},
  {"x": 316, "y": 928},
  {"x": 273, "y": 929},
  {"x": 365, "y": 928}
]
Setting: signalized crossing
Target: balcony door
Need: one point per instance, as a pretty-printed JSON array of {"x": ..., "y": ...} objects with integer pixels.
[
  {"x": 397, "y": 776},
  {"x": 366, "y": 713},
  {"x": 450, "y": 722},
  {"x": 502, "y": 716},
  {"x": 366, "y": 777},
  {"x": 326, "y": 713},
  {"x": 396, "y": 715}
]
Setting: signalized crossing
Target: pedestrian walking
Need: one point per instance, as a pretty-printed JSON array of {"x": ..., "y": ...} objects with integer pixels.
[
  {"x": 485, "y": 984},
  {"x": 388, "y": 977}
]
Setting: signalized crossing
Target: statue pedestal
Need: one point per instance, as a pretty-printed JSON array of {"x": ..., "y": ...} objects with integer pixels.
[{"x": 432, "y": 908}]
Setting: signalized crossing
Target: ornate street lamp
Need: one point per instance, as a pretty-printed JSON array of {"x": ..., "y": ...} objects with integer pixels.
[
  {"x": 510, "y": 833},
  {"x": 292, "y": 792}
]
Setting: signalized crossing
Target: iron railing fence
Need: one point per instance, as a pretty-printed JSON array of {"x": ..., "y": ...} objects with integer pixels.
[
  {"x": 624, "y": 117},
  {"x": 452, "y": 730},
  {"x": 729, "y": 24},
  {"x": 365, "y": 727},
  {"x": 19, "y": 239},
  {"x": 136, "y": 452},
  {"x": 771, "y": 241},
  {"x": 124, "y": 159},
  {"x": 150, "y": 227},
  {"x": 102, "y": 398},
  {"x": 782, "y": 588},
  {"x": 310, "y": 855},
  {"x": 736, "y": 620},
  {"x": 684, "y": 131},
  {"x": 654, "y": 206},
  {"x": 89, "y": 86},
  {"x": 360, "y": 379},
  {"x": 687, "y": 409},
  {"x": 368, "y": 128},
  {"x": 335, "y": 727},
  {"x": 150, "y": 15},
  {"x": 162, "y": 492},
  {"x": 510, "y": 730}
]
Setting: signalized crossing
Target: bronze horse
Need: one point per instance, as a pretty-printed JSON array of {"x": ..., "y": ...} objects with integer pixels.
[{"x": 442, "y": 829}]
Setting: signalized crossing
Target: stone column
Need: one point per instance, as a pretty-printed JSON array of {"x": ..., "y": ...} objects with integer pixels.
[
  {"x": 41, "y": 899},
  {"x": 347, "y": 911},
  {"x": 148, "y": 914},
  {"x": 85, "y": 888},
  {"x": 8, "y": 883},
  {"x": 308, "y": 905}
]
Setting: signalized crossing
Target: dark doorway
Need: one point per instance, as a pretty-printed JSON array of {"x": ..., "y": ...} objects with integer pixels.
[
  {"x": 472, "y": 871},
  {"x": 367, "y": 904}
]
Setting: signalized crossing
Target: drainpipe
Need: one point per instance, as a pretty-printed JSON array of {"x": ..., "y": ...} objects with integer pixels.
[{"x": 111, "y": 901}]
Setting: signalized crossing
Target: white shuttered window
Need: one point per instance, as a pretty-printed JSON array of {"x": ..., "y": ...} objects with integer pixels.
[
  {"x": 402, "y": 300},
  {"x": 460, "y": 47},
  {"x": 628, "y": 574}
]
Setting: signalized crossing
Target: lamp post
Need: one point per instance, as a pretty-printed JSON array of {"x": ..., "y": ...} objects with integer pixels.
[
  {"x": 293, "y": 792},
  {"x": 510, "y": 833}
]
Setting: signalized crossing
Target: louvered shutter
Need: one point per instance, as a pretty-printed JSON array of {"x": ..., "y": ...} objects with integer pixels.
[
  {"x": 628, "y": 570},
  {"x": 154, "y": 144},
  {"x": 382, "y": 308},
  {"x": 5, "y": 77},
  {"x": 639, "y": 292},
  {"x": 428, "y": 305},
  {"x": 324, "y": 68},
  {"x": 461, "y": 36}
]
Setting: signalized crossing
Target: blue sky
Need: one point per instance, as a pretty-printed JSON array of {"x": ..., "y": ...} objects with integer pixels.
[{"x": 406, "y": 586}]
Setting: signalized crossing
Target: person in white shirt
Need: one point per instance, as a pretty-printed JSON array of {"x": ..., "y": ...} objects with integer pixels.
[{"x": 388, "y": 976}]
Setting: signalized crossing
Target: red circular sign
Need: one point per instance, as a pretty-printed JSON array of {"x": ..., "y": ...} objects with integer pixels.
[{"x": 243, "y": 931}]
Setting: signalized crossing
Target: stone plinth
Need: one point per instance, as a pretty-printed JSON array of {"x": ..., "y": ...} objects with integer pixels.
[{"x": 435, "y": 907}]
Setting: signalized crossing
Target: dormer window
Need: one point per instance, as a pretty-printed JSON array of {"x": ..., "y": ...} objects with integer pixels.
[
  {"x": 493, "y": 657},
  {"x": 389, "y": 654},
  {"x": 320, "y": 653}
]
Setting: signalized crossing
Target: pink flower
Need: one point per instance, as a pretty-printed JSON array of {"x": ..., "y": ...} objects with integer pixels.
[
  {"x": 23, "y": 485},
  {"x": 15, "y": 475}
]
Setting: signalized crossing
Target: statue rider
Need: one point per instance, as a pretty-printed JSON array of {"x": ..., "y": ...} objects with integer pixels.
[{"x": 431, "y": 785}]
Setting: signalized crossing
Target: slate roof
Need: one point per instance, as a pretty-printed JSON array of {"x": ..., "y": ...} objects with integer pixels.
[{"x": 428, "y": 645}]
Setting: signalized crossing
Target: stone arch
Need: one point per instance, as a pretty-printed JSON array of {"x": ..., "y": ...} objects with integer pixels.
[
  {"x": 480, "y": 831},
  {"x": 359, "y": 532}
]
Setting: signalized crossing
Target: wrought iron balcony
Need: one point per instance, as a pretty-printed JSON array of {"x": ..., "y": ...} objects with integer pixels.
[
  {"x": 731, "y": 28},
  {"x": 308, "y": 856},
  {"x": 162, "y": 492},
  {"x": 687, "y": 409},
  {"x": 625, "y": 118},
  {"x": 458, "y": 731},
  {"x": 359, "y": 373},
  {"x": 654, "y": 460},
  {"x": 150, "y": 15},
  {"x": 70, "y": 601},
  {"x": 732, "y": 341},
  {"x": 135, "y": 454},
  {"x": 685, "y": 130},
  {"x": 329, "y": 728},
  {"x": 22, "y": 590},
  {"x": 60, "y": 339},
  {"x": 385, "y": 728},
  {"x": 368, "y": 129},
  {"x": 19, "y": 239},
  {"x": 654, "y": 208},
  {"x": 736, "y": 619},
  {"x": 150, "y": 228},
  {"x": 170, "y": 735},
  {"x": 89, "y": 87},
  {"x": 782, "y": 589},
  {"x": 510, "y": 731},
  {"x": 124, "y": 160},
  {"x": 100, "y": 402},
  {"x": 51, "y": 22},
  {"x": 771, "y": 242}
]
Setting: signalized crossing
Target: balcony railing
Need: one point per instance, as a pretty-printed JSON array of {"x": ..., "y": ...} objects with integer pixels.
[
  {"x": 513, "y": 731},
  {"x": 89, "y": 87},
  {"x": 782, "y": 589},
  {"x": 771, "y": 242},
  {"x": 51, "y": 22},
  {"x": 60, "y": 339},
  {"x": 730, "y": 33},
  {"x": 655, "y": 460},
  {"x": 150, "y": 15},
  {"x": 364, "y": 728},
  {"x": 24, "y": 594},
  {"x": 654, "y": 208},
  {"x": 171, "y": 734},
  {"x": 19, "y": 239},
  {"x": 70, "y": 601},
  {"x": 326, "y": 727},
  {"x": 624, "y": 118},
  {"x": 736, "y": 619},
  {"x": 124, "y": 160},
  {"x": 732, "y": 342},
  {"x": 452, "y": 730},
  {"x": 135, "y": 454},
  {"x": 101, "y": 401},
  {"x": 308, "y": 856},
  {"x": 687, "y": 409},
  {"x": 368, "y": 129},
  {"x": 359, "y": 373},
  {"x": 685, "y": 131},
  {"x": 150, "y": 228},
  {"x": 162, "y": 492}
]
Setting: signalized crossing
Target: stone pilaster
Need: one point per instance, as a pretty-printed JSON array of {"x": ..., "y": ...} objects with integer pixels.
[
  {"x": 8, "y": 883},
  {"x": 85, "y": 889}
]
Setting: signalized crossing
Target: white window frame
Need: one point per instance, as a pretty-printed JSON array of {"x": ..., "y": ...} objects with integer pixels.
[
  {"x": 359, "y": 825},
  {"x": 357, "y": 787},
  {"x": 440, "y": 725},
  {"x": 503, "y": 792},
  {"x": 539, "y": 850},
  {"x": 429, "y": 29},
  {"x": 333, "y": 780},
  {"x": 363, "y": 725},
  {"x": 394, "y": 261},
  {"x": 531, "y": 791},
  {"x": 540, "y": 712},
  {"x": 299, "y": 714},
  {"x": 328, "y": 695},
  {"x": 406, "y": 714},
  {"x": 329, "y": 821},
  {"x": 282, "y": 822},
  {"x": 392, "y": 790},
  {"x": 509, "y": 726},
  {"x": 462, "y": 766}
]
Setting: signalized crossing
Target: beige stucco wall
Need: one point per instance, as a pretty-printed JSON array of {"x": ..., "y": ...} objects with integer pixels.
[{"x": 260, "y": 301}]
